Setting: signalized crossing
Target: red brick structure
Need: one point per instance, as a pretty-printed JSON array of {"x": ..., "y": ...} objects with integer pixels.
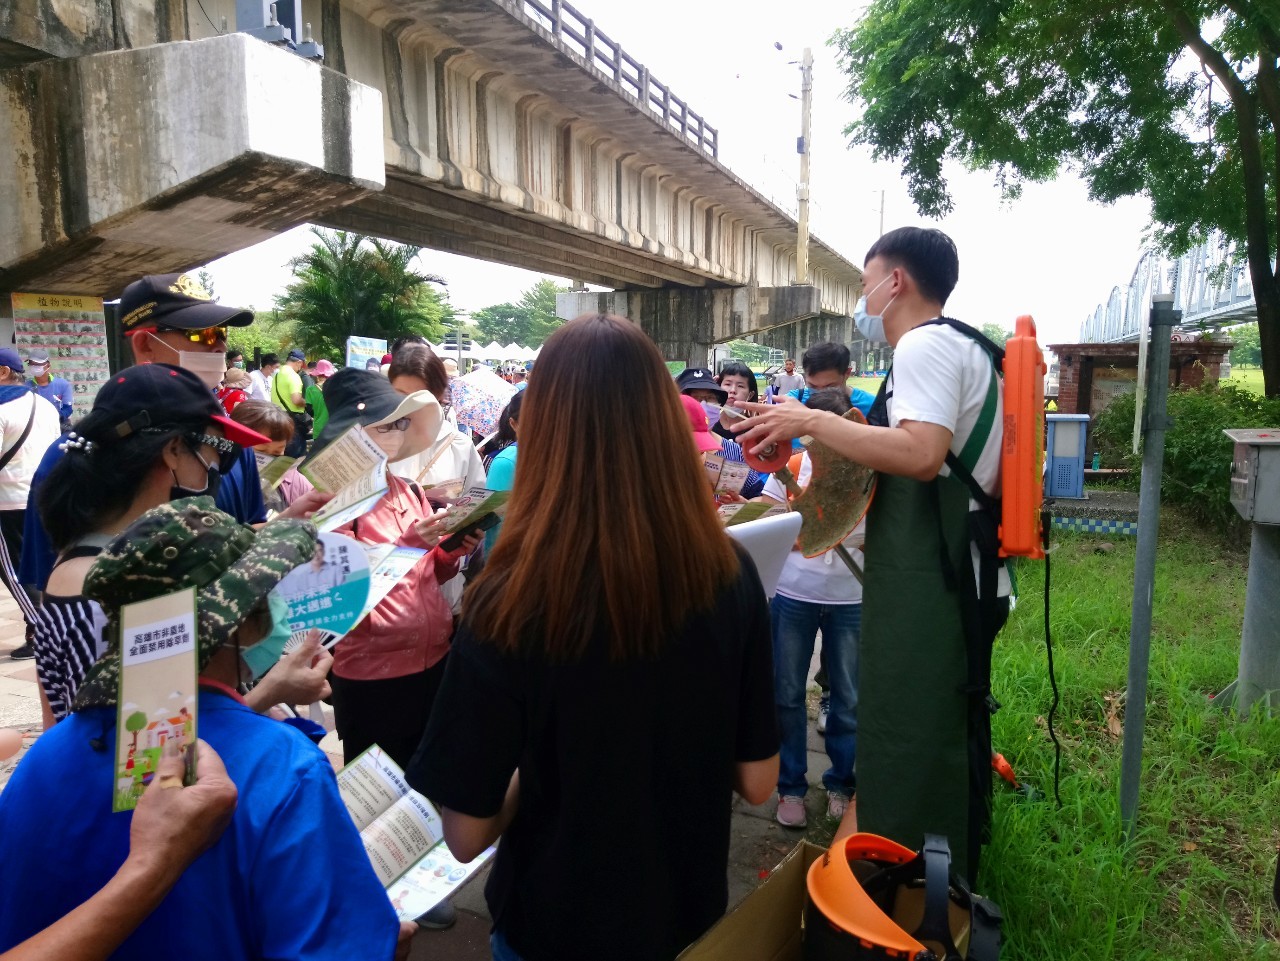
[{"x": 1090, "y": 375}]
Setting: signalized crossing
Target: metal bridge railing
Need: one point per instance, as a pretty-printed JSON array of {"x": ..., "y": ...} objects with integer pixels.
[{"x": 579, "y": 35}]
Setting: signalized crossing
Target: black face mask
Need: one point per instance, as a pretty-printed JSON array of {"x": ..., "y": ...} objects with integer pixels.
[{"x": 177, "y": 491}]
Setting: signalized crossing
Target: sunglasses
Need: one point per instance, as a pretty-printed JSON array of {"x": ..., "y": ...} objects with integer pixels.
[
  {"x": 401, "y": 424},
  {"x": 204, "y": 335},
  {"x": 228, "y": 451}
]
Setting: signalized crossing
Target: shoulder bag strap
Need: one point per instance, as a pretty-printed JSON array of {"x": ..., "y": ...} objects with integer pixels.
[{"x": 26, "y": 431}]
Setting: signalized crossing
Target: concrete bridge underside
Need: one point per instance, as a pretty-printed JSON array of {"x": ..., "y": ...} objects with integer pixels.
[{"x": 462, "y": 125}]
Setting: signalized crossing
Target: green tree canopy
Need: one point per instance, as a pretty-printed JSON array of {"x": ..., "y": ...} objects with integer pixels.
[
  {"x": 1246, "y": 352},
  {"x": 268, "y": 333},
  {"x": 528, "y": 322},
  {"x": 749, "y": 352},
  {"x": 351, "y": 285},
  {"x": 996, "y": 333},
  {"x": 1121, "y": 92}
]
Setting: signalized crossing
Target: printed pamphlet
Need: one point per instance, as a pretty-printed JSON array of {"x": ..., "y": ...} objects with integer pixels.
[
  {"x": 402, "y": 834},
  {"x": 447, "y": 492},
  {"x": 354, "y": 469},
  {"x": 726, "y": 476},
  {"x": 272, "y": 469},
  {"x": 157, "y": 700},
  {"x": 473, "y": 504},
  {"x": 328, "y": 592},
  {"x": 732, "y": 514},
  {"x": 389, "y": 564}
]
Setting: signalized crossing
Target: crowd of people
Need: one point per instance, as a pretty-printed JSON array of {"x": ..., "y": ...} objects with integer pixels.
[{"x": 603, "y": 667}]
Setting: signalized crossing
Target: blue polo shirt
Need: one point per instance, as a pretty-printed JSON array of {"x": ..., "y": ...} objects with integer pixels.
[
  {"x": 289, "y": 877},
  {"x": 57, "y": 392}
]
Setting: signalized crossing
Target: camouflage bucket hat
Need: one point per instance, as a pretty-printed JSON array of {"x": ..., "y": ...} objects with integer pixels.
[{"x": 189, "y": 543}]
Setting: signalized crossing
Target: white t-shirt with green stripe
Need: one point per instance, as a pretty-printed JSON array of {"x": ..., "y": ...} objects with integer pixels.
[{"x": 940, "y": 376}]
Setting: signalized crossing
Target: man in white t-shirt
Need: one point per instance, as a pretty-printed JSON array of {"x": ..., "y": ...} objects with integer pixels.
[
  {"x": 816, "y": 594},
  {"x": 787, "y": 380},
  {"x": 934, "y": 592},
  {"x": 261, "y": 379}
]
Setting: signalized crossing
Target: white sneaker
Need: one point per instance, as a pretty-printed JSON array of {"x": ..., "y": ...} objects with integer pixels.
[
  {"x": 824, "y": 708},
  {"x": 836, "y": 804},
  {"x": 790, "y": 812}
]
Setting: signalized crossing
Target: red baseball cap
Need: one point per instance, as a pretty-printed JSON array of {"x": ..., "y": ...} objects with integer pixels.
[{"x": 705, "y": 441}]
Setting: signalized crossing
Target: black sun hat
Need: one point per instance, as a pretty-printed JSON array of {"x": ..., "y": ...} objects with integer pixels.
[
  {"x": 178, "y": 301},
  {"x": 699, "y": 378},
  {"x": 354, "y": 396}
]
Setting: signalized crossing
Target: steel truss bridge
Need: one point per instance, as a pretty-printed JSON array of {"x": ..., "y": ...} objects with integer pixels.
[{"x": 1212, "y": 291}]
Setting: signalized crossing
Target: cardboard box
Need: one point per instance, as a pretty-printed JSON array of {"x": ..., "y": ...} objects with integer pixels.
[{"x": 767, "y": 924}]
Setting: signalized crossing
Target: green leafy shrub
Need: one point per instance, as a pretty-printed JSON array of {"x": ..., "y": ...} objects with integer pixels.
[{"x": 1197, "y": 455}]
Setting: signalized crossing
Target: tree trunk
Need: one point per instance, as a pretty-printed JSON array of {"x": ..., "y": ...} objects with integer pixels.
[{"x": 1266, "y": 294}]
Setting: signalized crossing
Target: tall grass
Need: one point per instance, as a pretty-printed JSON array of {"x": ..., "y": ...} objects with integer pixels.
[{"x": 1194, "y": 883}]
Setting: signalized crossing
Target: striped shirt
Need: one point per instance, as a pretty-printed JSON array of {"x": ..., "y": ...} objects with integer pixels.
[{"x": 69, "y": 637}]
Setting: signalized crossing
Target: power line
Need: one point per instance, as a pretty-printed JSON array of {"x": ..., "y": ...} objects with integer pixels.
[{"x": 216, "y": 29}]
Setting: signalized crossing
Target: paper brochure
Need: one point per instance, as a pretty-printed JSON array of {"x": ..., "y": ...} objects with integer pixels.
[
  {"x": 272, "y": 469},
  {"x": 157, "y": 702},
  {"x": 726, "y": 476},
  {"x": 352, "y": 468},
  {"x": 402, "y": 834},
  {"x": 733, "y": 514}
]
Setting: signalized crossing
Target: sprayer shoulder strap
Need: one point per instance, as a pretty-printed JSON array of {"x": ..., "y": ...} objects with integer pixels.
[{"x": 962, "y": 465}]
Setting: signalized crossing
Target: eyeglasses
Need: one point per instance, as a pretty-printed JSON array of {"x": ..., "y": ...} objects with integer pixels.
[
  {"x": 401, "y": 424},
  {"x": 228, "y": 451},
  {"x": 205, "y": 335}
]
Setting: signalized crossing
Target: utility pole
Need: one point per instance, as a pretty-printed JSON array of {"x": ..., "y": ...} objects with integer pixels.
[
  {"x": 881, "y": 211},
  {"x": 802, "y": 190}
]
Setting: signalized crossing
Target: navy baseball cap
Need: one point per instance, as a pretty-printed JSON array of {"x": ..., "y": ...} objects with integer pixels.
[
  {"x": 296, "y": 354},
  {"x": 177, "y": 301},
  {"x": 158, "y": 395},
  {"x": 699, "y": 378},
  {"x": 10, "y": 358}
]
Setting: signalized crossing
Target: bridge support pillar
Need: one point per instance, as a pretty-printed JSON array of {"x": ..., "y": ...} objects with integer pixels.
[
  {"x": 161, "y": 158},
  {"x": 685, "y": 321}
]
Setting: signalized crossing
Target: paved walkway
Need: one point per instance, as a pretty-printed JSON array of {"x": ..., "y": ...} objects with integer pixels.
[{"x": 757, "y": 843}]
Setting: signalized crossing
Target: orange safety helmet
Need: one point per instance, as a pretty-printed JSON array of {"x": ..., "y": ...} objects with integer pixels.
[{"x": 871, "y": 899}]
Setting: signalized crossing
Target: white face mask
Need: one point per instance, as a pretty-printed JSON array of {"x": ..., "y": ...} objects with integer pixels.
[
  {"x": 872, "y": 325},
  {"x": 209, "y": 367}
]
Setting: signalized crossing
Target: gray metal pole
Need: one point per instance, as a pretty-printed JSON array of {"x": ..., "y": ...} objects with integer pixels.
[
  {"x": 1163, "y": 317},
  {"x": 1259, "y": 677}
]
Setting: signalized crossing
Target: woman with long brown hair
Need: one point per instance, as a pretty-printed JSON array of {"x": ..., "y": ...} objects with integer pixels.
[{"x": 611, "y": 681}]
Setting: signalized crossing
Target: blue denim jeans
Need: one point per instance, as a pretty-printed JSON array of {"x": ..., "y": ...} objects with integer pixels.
[
  {"x": 501, "y": 950},
  {"x": 795, "y": 627}
]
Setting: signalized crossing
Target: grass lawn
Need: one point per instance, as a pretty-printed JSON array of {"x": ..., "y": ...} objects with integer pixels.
[
  {"x": 1248, "y": 378},
  {"x": 1195, "y": 882}
]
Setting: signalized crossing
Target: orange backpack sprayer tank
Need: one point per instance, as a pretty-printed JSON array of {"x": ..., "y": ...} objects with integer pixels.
[{"x": 1022, "y": 452}]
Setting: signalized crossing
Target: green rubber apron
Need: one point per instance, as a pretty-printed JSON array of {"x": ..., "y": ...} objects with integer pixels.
[
  {"x": 924, "y": 728},
  {"x": 913, "y": 707}
]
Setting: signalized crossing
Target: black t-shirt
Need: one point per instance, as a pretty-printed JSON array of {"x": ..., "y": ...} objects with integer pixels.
[{"x": 620, "y": 844}]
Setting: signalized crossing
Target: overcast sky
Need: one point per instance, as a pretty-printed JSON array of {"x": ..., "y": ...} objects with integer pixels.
[{"x": 1052, "y": 254}]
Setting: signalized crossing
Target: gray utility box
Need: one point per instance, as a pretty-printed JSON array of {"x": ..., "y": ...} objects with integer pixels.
[{"x": 1255, "y": 474}]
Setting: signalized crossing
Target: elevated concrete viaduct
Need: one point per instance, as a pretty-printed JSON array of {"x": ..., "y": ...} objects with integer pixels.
[{"x": 134, "y": 138}]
